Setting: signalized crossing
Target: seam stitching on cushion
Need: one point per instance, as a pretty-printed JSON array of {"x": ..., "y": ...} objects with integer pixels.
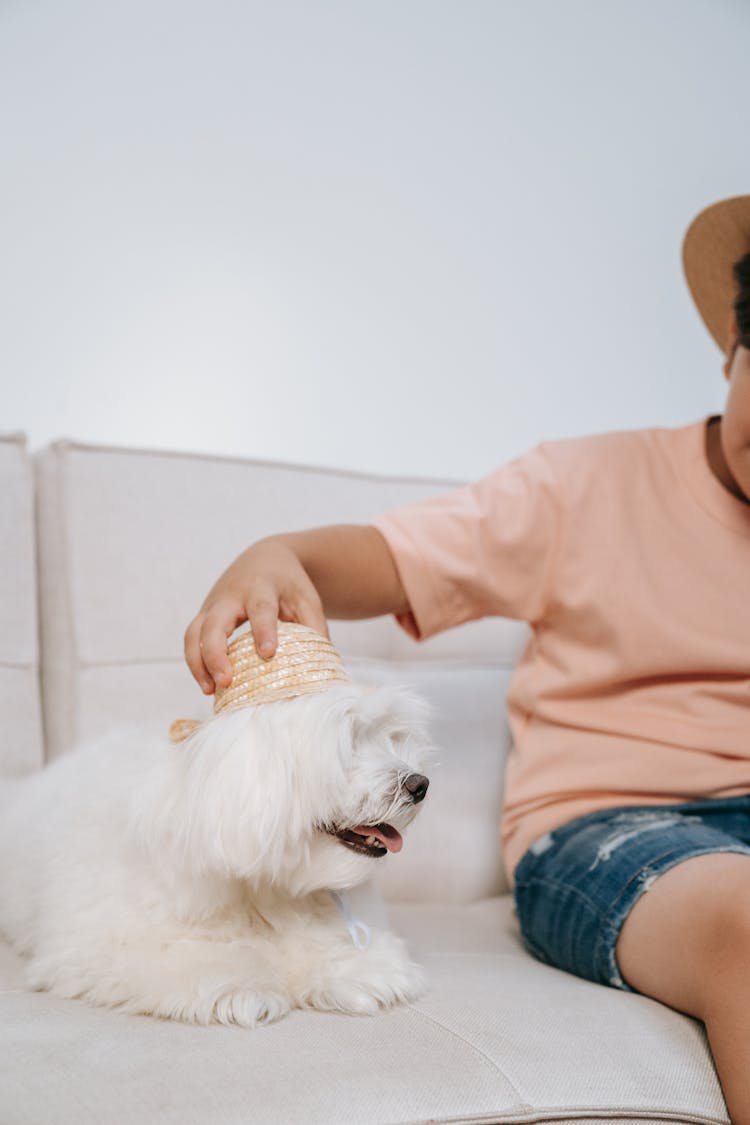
[
  {"x": 67, "y": 554},
  {"x": 477, "y": 1050},
  {"x": 570, "y": 1115},
  {"x": 591, "y": 1113},
  {"x": 69, "y": 445}
]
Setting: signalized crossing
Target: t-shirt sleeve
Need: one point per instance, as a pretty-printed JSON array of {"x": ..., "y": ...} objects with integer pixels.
[{"x": 486, "y": 549}]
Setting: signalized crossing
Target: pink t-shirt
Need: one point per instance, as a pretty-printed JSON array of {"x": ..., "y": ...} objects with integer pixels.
[{"x": 631, "y": 562}]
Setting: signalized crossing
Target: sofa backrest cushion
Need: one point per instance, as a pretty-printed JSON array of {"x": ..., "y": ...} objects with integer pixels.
[
  {"x": 130, "y": 543},
  {"x": 21, "y": 748}
]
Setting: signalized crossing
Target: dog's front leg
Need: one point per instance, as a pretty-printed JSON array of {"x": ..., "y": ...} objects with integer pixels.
[
  {"x": 192, "y": 979},
  {"x": 332, "y": 974}
]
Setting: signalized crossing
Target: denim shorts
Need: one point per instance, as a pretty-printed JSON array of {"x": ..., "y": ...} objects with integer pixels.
[{"x": 575, "y": 886}]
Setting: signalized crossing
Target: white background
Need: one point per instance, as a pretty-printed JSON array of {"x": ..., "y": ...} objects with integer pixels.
[{"x": 409, "y": 236}]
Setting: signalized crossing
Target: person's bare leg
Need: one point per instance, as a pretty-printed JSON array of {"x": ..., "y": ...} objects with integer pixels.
[{"x": 686, "y": 942}]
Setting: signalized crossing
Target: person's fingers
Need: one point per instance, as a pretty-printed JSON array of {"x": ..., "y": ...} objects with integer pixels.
[
  {"x": 207, "y": 635},
  {"x": 315, "y": 616},
  {"x": 194, "y": 656},
  {"x": 213, "y": 646},
  {"x": 263, "y": 613},
  {"x": 306, "y": 608}
]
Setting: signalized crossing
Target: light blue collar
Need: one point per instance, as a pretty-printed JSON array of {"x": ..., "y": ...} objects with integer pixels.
[{"x": 353, "y": 925}]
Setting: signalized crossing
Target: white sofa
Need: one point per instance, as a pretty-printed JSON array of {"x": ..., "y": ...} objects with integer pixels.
[{"x": 100, "y": 576}]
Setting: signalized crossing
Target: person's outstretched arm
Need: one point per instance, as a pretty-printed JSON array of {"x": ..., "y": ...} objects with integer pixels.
[{"x": 344, "y": 571}]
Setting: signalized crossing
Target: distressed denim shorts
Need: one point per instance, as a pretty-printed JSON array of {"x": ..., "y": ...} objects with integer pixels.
[{"x": 575, "y": 886}]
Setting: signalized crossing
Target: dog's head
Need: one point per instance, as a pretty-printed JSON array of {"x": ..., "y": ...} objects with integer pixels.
[{"x": 308, "y": 792}]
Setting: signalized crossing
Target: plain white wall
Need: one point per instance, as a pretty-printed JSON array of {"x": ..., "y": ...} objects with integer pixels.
[{"x": 396, "y": 235}]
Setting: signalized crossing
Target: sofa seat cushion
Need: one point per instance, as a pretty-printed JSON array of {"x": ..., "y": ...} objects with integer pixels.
[{"x": 498, "y": 1037}]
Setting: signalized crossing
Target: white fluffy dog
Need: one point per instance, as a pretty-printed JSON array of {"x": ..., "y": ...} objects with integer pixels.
[{"x": 194, "y": 881}]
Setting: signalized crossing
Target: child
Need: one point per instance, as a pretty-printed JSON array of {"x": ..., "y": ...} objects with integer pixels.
[{"x": 629, "y": 554}]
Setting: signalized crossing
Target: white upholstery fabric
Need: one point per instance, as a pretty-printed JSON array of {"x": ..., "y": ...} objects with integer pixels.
[
  {"x": 499, "y": 1037},
  {"x": 20, "y": 711}
]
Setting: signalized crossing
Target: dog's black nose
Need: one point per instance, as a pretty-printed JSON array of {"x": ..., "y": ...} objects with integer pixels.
[{"x": 416, "y": 784}]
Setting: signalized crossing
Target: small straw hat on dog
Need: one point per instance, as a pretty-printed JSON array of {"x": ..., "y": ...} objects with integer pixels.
[
  {"x": 717, "y": 238},
  {"x": 304, "y": 662}
]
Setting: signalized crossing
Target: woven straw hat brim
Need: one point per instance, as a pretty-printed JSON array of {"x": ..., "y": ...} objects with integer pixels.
[
  {"x": 717, "y": 238},
  {"x": 304, "y": 663}
]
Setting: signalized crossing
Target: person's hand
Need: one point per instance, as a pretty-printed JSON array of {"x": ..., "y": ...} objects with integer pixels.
[{"x": 265, "y": 584}]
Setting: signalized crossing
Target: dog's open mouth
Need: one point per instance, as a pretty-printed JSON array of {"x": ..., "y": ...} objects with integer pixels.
[{"x": 370, "y": 839}]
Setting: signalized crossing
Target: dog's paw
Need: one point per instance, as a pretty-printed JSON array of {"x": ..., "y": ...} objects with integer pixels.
[
  {"x": 237, "y": 1005},
  {"x": 366, "y": 997},
  {"x": 407, "y": 983},
  {"x": 247, "y": 1008},
  {"x": 341, "y": 996}
]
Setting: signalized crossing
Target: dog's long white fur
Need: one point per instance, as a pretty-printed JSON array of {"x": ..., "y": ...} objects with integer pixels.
[{"x": 192, "y": 881}]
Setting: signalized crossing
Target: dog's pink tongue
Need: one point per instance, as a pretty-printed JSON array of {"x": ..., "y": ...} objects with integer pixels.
[{"x": 391, "y": 837}]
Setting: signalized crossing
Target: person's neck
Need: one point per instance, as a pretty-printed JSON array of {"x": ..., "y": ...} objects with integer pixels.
[{"x": 717, "y": 462}]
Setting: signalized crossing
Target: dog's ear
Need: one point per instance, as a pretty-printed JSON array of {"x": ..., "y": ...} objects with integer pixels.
[
  {"x": 390, "y": 710},
  {"x": 242, "y": 807}
]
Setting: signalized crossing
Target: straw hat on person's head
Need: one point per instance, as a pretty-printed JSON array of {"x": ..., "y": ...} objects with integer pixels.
[{"x": 717, "y": 238}]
